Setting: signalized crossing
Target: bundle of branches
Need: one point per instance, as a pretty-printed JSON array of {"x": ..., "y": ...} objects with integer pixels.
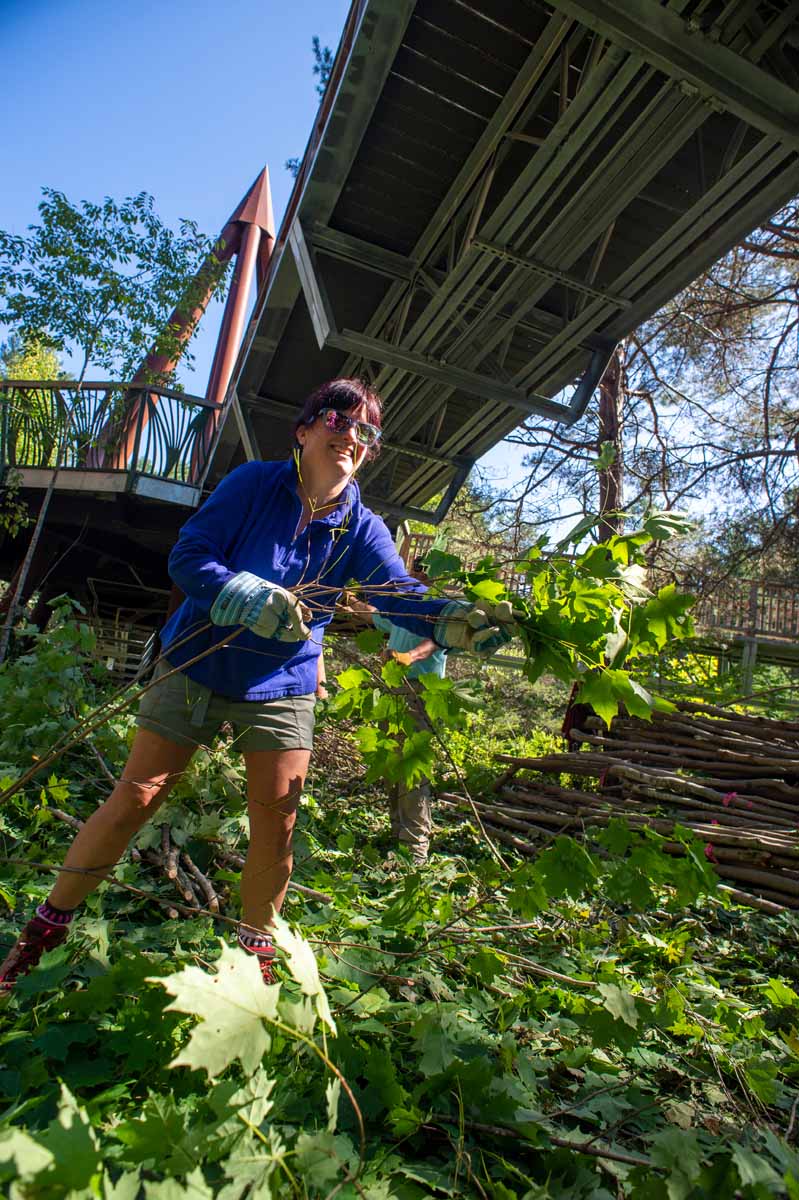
[{"x": 731, "y": 778}]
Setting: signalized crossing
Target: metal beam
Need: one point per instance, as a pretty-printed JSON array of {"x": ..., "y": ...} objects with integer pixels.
[
  {"x": 379, "y": 350},
  {"x": 405, "y": 512},
  {"x": 347, "y": 248},
  {"x": 677, "y": 48},
  {"x": 246, "y": 432},
  {"x": 533, "y": 264},
  {"x": 471, "y": 382},
  {"x": 361, "y": 253},
  {"x": 313, "y": 287},
  {"x": 418, "y": 452},
  {"x": 590, "y": 381},
  {"x": 345, "y": 112}
]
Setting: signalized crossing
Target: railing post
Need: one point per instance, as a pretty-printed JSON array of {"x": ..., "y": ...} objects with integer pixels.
[{"x": 131, "y": 467}]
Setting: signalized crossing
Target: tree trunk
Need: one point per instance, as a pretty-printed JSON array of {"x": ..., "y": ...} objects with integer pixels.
[{"x": 611, "y": 478}]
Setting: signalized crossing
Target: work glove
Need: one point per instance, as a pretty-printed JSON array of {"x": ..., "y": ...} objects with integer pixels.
[
  {"x": 480, "y": 628},
  {"x": 266, "y": 608}
]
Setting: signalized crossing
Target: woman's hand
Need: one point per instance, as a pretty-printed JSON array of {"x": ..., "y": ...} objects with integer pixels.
[
  {"x": 480, "y": 628},
  {"x": 266, "y": 608}
]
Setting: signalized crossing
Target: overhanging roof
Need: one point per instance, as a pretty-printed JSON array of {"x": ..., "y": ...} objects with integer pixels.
[{"x": 494, "y": 193}]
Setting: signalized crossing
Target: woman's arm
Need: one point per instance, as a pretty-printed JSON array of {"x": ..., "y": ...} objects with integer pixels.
[
  {"x": 199, "y": 562},
  {"x": 385, "y": 582}
]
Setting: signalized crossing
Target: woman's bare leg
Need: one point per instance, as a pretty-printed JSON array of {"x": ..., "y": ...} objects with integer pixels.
[
  {"x": 152, "y": 769},
  {"x": 274, "y": 783}
]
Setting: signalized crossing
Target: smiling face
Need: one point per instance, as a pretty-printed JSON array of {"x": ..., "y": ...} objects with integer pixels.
[{"x": 330, "y": 459}]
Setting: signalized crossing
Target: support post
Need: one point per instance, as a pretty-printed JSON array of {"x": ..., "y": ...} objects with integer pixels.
[{"x": 611, "y": 477}]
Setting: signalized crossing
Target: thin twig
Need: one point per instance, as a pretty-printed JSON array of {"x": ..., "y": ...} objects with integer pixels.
[{"x": 635, "y": 1160}]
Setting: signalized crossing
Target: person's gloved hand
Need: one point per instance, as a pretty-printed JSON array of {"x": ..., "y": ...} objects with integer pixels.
[
  {"x": 266, "y": 608},
  {"x": 480, "y": 628}
]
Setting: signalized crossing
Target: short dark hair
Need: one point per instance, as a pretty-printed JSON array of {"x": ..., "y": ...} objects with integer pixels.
[{"x": 343, "y": 394}]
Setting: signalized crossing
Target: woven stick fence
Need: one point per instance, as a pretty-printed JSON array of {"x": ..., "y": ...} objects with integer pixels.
[{"x": 731, "y": 778}]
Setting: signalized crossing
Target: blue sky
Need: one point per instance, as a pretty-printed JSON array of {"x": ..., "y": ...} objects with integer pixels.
[{"x": 185, "y": 99}]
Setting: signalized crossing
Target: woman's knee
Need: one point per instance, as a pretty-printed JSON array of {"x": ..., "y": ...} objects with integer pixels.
[{"x": 134, "y": 801}]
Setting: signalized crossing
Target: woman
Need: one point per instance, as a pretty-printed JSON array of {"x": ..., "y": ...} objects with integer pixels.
[{"x": 243, "y": 648}]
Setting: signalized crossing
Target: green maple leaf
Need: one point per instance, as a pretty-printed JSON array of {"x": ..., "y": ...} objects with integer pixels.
[
  {"x": 232, "y": 1006},
  {"x": 437, "y": 563},
  {"x": 353, "y": 677},
  {"x": 637, "y": 700},
  {"x": 585, "y": 598},
  {"x": 761, "y": 1075},
  {"x": 566, "y": 868},
  {"x": 370, "y": 641},
  {"x": 28, "y": 1156},
  {"x": 664, "y": 617},
  {"x": 677, "y": 1152},
  {"x": 661, "y": 525},
  {"x": 779, "y": 993},
  {"x": 251, "y": 1164},
  {"x": 393, "y": 673},
  {"x": 195, "y": 1188},
  {"x": 607, "y": 456},
  {"x": 487, "y": 589},
  {"x": 415, "y": 762},
  {"x": 322, "y": 1156},
  {"x": 73, "y": 1145},
  {"x": 597, "y": 690},
  {"x": 441, "y": 701},
  {"x": 127, "y": 1187},
  {"x": 161, "y": 1125},
  {"x": 300, "y": 960},
  {"x": 753, "y": 1169},
  {"x": 620, "y": 1004}
]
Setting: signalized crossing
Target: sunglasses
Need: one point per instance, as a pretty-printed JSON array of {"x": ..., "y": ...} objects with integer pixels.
[{"x": 339, "y": 422}]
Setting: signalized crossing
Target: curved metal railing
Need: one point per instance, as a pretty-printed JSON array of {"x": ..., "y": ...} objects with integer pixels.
[{"x": 153, "y": 431}]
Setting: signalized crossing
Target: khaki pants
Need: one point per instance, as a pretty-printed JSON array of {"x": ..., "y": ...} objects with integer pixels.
[{"x": 411, "y": 819}]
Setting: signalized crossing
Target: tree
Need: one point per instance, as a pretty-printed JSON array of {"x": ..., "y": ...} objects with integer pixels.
[
  {"x": 322, "y": 68},
  {"x": 31, "y": 359},
  {"x": 708, "y": 415},
  {"x": 19, "y": 360},
  {"x": 100, "y": 282},
  {"x": 107, "y": 284}
]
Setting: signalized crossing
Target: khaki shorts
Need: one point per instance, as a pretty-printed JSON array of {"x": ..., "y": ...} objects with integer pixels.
[{"x": 190, "y": 714}]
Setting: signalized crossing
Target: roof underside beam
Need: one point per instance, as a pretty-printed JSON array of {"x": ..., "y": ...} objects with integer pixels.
[
  {"x": 675, "y": 46},
  {"x": 379, "y": 350},
  {"x": 281, "y": 408}
]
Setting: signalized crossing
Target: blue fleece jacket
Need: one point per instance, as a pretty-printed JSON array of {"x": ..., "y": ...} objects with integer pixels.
[{"x": 248, "y": 524}]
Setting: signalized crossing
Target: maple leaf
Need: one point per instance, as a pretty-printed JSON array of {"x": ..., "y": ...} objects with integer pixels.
[
  {"x": 195, "y": 1188},
  {"x": 29, "y": 1156},
  {"x": 301, "y": 963},
  {"x": 620, "y": 1004},
  {"x": 73, "y": 1144},
  {"x": 232, "y": 1006}
]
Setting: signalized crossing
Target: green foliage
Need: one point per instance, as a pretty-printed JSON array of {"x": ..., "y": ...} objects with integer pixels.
[
  {"x": 593, "y": 1023},
  {"x": 600, "y": 995},
  {"x": 322, "y": 67},
  {"x": 29, "y": 359},
  {"x": 582, "y": 616},
  {"x": 101, "y": 281}
]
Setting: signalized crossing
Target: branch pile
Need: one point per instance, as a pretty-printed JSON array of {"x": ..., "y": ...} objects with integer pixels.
[{"x": 731, "y": 778}]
